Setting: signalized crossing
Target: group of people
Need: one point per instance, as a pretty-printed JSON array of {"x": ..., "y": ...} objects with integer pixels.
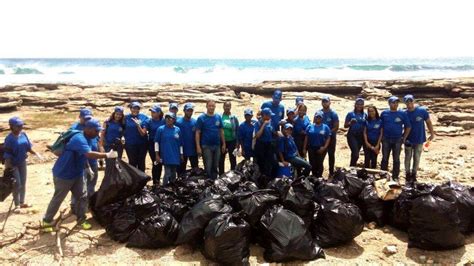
[{"x": 273, "y": 140}]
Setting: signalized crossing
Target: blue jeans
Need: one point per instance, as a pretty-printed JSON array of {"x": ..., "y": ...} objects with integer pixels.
[
  {"x": 300, "y": 163},
  {"x": 19, "y": 172},
  {"x": 61, "y": 189},
  {"x": 414, "y": 152},
  {"x": 211, "y": 156},
  {"x": 355, "y": 141},
  {"x": 91, "y": 182},
  {"x": 391, "y": 146},
  {"x": 170, "y": 174}
]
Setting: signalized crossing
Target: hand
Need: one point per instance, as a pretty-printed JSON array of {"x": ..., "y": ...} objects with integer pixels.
[
  {"x": 223, "y": 148},
  {"x": 404, "y": 140},
  {"x": 353, "y": 121},
  {"x": 111, "y": 154},
  {"x": 280, "y": 134},
  {"x": 137, "y": 121},
  {"x": 157, "y": 160},
  {"x": 182, "y": 158},
  {"x": 304, "y": 152},
  {"x": 266, "y": 122},
  {"x": 236, "y": 152},
  {"x": 431, "y": 138},
  {"x": 199, "y": 151},
  {"x": 243, "y": 153},
  {"x": 321, "y": 150},
  {"x": 285, "y": 163},
  {"x": 89, "y": 172}
]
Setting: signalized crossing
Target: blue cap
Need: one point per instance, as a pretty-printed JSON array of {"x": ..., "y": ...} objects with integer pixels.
[
  {"x": 155, "y": 108},
  {"x": 170, "y": 114},
  {"x": 267, "y": 111},
  {"x": 135, "y": 104},
  {"x": 358, "y": 100},
  {"x": 277, "y": 95},
  {"x": 319, "y": 114},
  {"x": 248, "y": 112},
  {"x": 408, "y": 97},
  {"x": 288, "y": 125},
  {"x": 93, "y": 123},
  {"x": 85, "y": 112},
  {"x": 173, "y": 105},
  {"x": 393, "y": 99},
  {"x": 188, "y": 106},
  {"x": 326, "y": 98},
  {"x": 290, "y": 110},
  {"x": 118, "y": 109},
  {"x": 299, "y": 100},
  {"x": 15, "y": 121}
]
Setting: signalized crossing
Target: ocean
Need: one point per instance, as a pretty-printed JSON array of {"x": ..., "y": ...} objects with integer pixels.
[{"x": 225, "y": 71}]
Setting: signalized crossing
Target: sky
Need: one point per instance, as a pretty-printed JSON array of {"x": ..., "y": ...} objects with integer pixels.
[{"x": 236, "y": 29}]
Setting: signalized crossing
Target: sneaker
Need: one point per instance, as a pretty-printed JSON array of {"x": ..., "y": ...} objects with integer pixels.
[
  {"x": 25, "y": 205},
  {"x": 17, "y": 210},
  {"x": 47, "y": 227},
  {"x": 86, "y": 225}
]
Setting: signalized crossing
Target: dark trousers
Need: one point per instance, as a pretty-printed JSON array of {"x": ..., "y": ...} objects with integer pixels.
[
  {"x": 299, "y": 141},
  {"x": 393, "y": 146},
  {"x": 355, "y": 141},
  {"x": 136, "y": 155},
  {"x": 192, "y": 159},
  {"x": 331, "y": 152},
  {"x": 370, "y": 156},
  {"x": 156, "y": 168},
  {"x": 265, "y": 155},
  {"x": 316, "y": 160},
  {"x": 230, "y": 145}
]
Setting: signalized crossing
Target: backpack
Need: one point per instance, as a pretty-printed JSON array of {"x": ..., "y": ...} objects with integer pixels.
[{"x": 58, "y": 146}]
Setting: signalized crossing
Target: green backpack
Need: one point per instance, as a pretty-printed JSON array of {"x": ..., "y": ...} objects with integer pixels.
[{"x": 58, "y": 146}]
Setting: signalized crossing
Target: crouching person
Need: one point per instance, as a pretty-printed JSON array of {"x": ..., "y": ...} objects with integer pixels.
[
  {"x": 288, "y": 152},
  {"x": 68, "y": 173}
]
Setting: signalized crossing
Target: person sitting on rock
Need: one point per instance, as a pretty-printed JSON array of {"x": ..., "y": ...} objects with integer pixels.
[{"x": 288, "y": 152}]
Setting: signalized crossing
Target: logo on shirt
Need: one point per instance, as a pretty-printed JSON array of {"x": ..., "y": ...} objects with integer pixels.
[
  {"x": 218, "y": 123},
  {"x": 398, "y": 120},
  {"x": 280, "y": 114},
  {"x": 376, "y": 125},
  {"x": 176, "y": 136},
  {"x": 419, "y": 118},
  {"x": 321, "y": 132},
  {"x": 328, "y": 119}
]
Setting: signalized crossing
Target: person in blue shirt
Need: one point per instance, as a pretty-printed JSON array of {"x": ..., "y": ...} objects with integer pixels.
[
  {"x": 17, "y": 145},
  {"x": 316, "y": 143},
  {"x": 68, "y": 173},
  {"x": 288, "y": 152},
  {"x": 299, "y": 100},
  {"x": 187, "y": 125},
  {"x": 331, "y": 119},
  {"x": 152, "y": 126},
  {"x": 246, "y": 135},
  {"x": 418, "y": 116},
  {"x": 356, "y": 121},
  {"x": 210, "y": 142},
  {"x": 135, "y": 134},
  {"x": 174, "y": 108},
  {"x": 396, "y": 128},
  {"x": 299, "y": 128},
  {"x": 111, "y": 136},
  {"x": 373, "y": 133},
  {"x": 264, "y": 149},
  {"x": 277, "y": 109},
  {"x": 230, "y": 125},
  {"x": 169, "y": 148}
]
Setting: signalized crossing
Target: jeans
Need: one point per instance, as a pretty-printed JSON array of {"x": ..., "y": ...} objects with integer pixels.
[
  {"x": 316, "y": 160},
  {"x": 19, "y": 172},
  {"x": 136, "y": 155},
  {"x": 412, "y": 152},
  {"x": 192, "y": 159},
  {"x": 355, "y": 141},
  {"x": 331, "y": 153},
  {"x": 265, "y": 155},
  {"x": 211, "y": 156},
  {"x": 170, "y": 174},
  {"x": 61, "y": 189},
  {"x": 370, "y": 156},
  {"x": 230, "y": 145},
  {"x": 156, "y": 168},
  {"x": 394, "y": 146},
  {"x": 300, "y": 163},
  {"x": 91, "y": 182}
]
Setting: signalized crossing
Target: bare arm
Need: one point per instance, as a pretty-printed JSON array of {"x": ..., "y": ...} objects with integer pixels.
[
  {"x": 198, "y": 141},
  {"x": 335, "y": 128},
  {"x": 102, "y": 136},
  {"x": 366, "y": 140},
  {"x": 431, "y": 129},
  {"x": 406, "y": 133},
  {"x": 95, "y": 155}
]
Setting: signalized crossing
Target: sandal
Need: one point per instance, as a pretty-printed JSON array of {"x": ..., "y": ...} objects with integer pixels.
[{"x": 25, "y": 205}]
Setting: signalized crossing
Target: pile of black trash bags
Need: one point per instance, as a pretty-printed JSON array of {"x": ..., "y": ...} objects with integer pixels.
[{"x": 290, "y": 219}]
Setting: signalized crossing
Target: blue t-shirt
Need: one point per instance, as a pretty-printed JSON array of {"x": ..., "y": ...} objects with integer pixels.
[
  {"x": 373, "y": 127},
  {"x": 287, "y": 146},
  {"x": 210, "y": 127},
  {"x": 188, "y": 133},
  {"x": 360, "y": 118},
  {"x": 131, "y": 134},
  {"x": 16, "y": 148},
  {"x": 70, "y": 164},
  {"x": 417, "y": 120},
  {"x": 152, "y": 126},
  {"x": 113, "y": 131},
  {"x": 317, "y": 135},
  {"x": 300, "y": 126},
  {"x": 169, "y": 139},
  {"x": 278, "y": 111},
  {"x": 94, "y": 142},
  {"x": 393, "y": 123},
  {"x": 268, "y": 131},
  {"x": 246, "y": 132},
  {"x": 329, "y": 118}
]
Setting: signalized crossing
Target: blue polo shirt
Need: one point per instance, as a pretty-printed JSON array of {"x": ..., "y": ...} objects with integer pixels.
[
  {"x": 169, "y": 139},
  {"x": 188, "y": 133},
  {"x": 152, "y": 126},
  {"x": 373, "y": 127},
  {"x": 278, "y": 111},
  {"x": 287, "y": 146},
  {"x": 16, "y": 148},
  {"x": 300, "y": 125},
  {"x": 329, "y": 118},
  {"x": 393, "y": 123},
  {"x": 317, "y": 135},
  {"x": 210, "y": 127},
  {"x": 113, "y": 131},
  {"x": 417, "y": 119},
  {"x": 70, "y": 164},
  {"x": 94, "y": 141},
  {"x": 246, "y": 132},
  {"x": 131, "y": 134},
  {"x": 358, "y": 127},
  {"x": 268, "y": 131}
]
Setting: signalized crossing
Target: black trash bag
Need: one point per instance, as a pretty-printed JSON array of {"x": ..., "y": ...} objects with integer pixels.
[
  {"x": 464, "y": 199},
  {"x": 7, "y": 184},
  {"x": 144, "y": 203},
  {"x": 195, "y": 220},
  {"x": 286, "y": 238},
  {"x": 157, "y": 231},
  {"x": 255, "y": 204},
  {"x": 325, "y": 190},
  {"x": 372, "y": 206},
  {"x": 249, "y": 170},
  {"x": 123, "y": 225},
  {"x": 227, "y": 240},
  {"x": 247, "y": 186},
  {"x": 280, "y": 184},
  {"x": 434, "y": 224},
  {"x": 231, "y": 179},
  {"x": 121, "y": 181},
  {"x": 104, "y": 215},
  {"x": 193, "y": 173},
  {"x": 298, "y": 198},
  {"x": 337, "y": 223}
]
